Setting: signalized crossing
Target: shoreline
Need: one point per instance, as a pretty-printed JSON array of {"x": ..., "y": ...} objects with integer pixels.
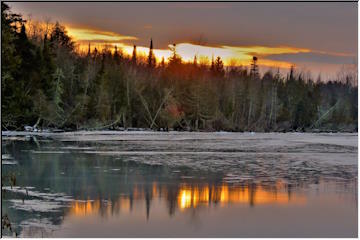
[{"x": 147, "y": 131}]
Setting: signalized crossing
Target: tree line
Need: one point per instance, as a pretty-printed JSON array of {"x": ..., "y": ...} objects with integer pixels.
[{"x": 47, "y": 83}]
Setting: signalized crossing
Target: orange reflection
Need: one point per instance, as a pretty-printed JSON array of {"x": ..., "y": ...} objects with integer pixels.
[
  {"x": 191, "y": 196},
  {"x": 185, "y": 198},
  {"x": 83, "y": 208}
]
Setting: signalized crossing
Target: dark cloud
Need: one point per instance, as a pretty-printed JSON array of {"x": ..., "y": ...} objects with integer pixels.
[{"x": 321, "y": 26}]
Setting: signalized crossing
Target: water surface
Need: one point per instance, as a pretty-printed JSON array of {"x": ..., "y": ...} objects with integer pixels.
[{"x": 146, "y": 184}]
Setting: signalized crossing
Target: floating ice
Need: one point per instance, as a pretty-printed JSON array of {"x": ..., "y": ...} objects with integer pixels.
[
  {"x": 41, "y": 195},
  {"x": 6, "y": 162},
  {"x": 6, "y": 157},
  {"x": 49, "y": 152},
  {"x": 36, "y": 205}
]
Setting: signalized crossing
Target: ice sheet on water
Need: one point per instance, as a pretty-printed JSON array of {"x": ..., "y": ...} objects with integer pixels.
[
  {"x": 343, "y": 139},
  {"x": 141, "y": 153},
  {"x": 61, "y": 197},
  {"x": 49, "y": 152},
  {"x": 233, "y": 178},
  {"x": 76, "y": 148},
  {"x": 36, "y": 205},
  {"x": 6, "y": 157},
  {"x": 292, "y": 156},
  {"x": 6, "y": 162},
  {"x": 258, "y": 166},
  {"x": 39, "y": 204}
]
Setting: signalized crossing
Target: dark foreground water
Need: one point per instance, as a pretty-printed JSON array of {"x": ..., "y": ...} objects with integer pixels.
[{"x": 106, "y": 184}]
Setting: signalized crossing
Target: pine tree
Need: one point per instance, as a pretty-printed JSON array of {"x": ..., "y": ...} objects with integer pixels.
[
  {"x": 10, "y": 65},
  {"x": 89, "y": 51},
  {"x": 162, "y": 62},
  {"x": 95, "y": 53},
  {"x": 60, "y": 39},
  {"x": 116, "y": 55},
  {"x": 254, "y": 71},
  {"x": 47, "y": 69},
  {"x": 151, "y": 57},
  {"x": 218, "y": 67},
  {"x": 175, "y": 60},
  {"x": 212, "y": 67},
  {"x": 195, "y": 61},
  {"x": 133, "y": 58}
]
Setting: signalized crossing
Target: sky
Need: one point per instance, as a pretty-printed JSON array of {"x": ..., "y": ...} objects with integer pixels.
[{"x": 313, "y": 36}]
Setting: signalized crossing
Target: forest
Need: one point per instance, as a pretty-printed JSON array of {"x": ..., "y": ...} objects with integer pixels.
[{"x": 48, "y": 84}]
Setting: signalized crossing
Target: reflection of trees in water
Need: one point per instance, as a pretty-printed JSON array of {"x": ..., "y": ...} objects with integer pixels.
[
  {"x": 189, "y": 196},
  {"x": 194, "y": 197},
  {"x": 105, "y": 192}
]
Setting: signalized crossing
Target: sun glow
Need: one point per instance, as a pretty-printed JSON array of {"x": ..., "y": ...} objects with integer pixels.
[
  {"x": 86, "y": 35},
  {"x": 231, "y": 55}
]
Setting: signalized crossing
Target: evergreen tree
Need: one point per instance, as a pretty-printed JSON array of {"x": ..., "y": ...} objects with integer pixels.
[
  {"x": 47, "y": 69},
  {"x": 133, "y": 58},
  {"x": 116, "y": 55},
  {"x": 218, "y": 67},
  {"x": 151, "y": 57},
  {"x": 175, "y": 59},
  {"x": 60, "y": 39},
  {"x": 195, "y": 61}
]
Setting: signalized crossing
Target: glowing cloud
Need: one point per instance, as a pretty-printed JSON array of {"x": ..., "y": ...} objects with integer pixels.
[
  {"x": 98, "y": 36},
  {"x": 231, "y": 55},
  {"x": 241, "y": 55}
]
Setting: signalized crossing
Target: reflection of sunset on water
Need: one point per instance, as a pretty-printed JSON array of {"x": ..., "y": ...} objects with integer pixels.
[
  {"x": 88, "y": 207},
  {"x": 191, "y": 196}
]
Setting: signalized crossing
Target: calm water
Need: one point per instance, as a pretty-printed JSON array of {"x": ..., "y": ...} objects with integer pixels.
[{"x": 181, "y": 185}]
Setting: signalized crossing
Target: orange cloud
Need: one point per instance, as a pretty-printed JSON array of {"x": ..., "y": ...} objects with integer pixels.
[
  {"x": 99, "y": 36},
  {"x": 238, "y": 55}
]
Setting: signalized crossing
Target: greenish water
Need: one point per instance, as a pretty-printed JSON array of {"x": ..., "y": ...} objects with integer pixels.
[{"x": 181, "y": 185}]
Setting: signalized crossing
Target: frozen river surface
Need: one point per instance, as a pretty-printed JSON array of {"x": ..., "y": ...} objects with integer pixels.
[{"x": 180, "y": 184}]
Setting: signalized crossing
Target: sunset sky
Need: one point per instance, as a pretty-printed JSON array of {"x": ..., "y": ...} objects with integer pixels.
[{"x": 316, "y": 37}]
